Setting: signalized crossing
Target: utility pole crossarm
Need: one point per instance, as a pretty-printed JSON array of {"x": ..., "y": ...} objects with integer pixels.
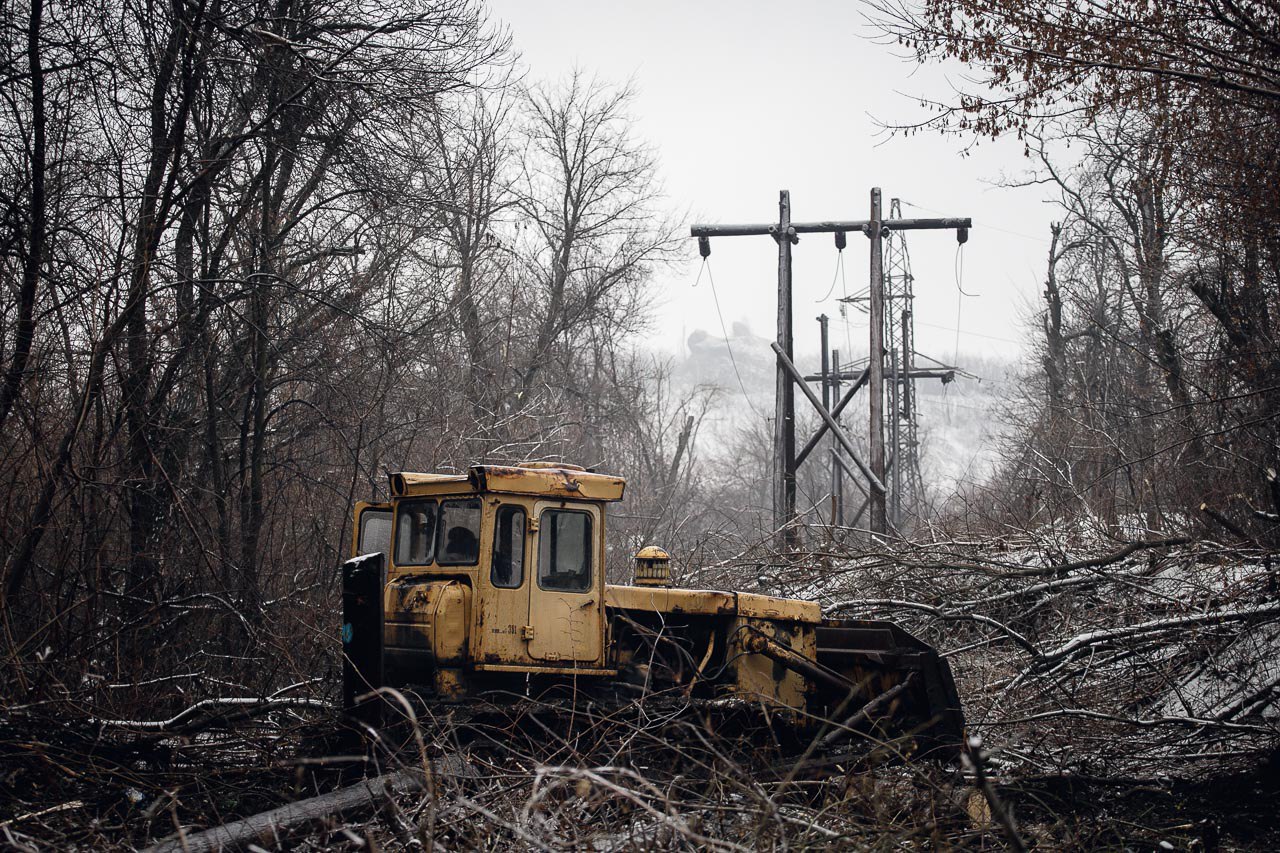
[
  {"x": 946, "y": 374},
  {"x": 944, "y": 224},
  {"x": 832, "y": 226}
]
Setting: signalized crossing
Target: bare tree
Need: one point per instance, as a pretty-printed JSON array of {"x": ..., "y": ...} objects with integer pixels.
[{"x": 588, "y": 195}]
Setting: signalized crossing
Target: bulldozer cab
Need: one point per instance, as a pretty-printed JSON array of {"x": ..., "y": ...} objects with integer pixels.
[{"x": 522, "y": 548}]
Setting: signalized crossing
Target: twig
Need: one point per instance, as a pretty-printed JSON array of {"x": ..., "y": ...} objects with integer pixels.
[
  {"x": 74, "y": 804},
  {"x": 247, "y": 706},
  {"x": 975, "y": 761}
]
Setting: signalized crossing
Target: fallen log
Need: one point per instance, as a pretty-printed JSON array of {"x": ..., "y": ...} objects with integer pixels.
[{"x": 266, "y": 825}]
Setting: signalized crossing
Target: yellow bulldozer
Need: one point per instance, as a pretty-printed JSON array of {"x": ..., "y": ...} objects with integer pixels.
[{"x": 492, "y": 583}]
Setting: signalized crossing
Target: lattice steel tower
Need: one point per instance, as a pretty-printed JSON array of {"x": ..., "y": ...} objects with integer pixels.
[{"x": 906, "y": 486}]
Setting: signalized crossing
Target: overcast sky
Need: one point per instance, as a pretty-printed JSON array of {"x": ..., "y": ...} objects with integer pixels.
[{"x": 742, "y": 99}]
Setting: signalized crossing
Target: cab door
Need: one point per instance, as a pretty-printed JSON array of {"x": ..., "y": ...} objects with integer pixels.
[
  {"x": 502, "y": 626},
  {"x": 566, "y": 593}
]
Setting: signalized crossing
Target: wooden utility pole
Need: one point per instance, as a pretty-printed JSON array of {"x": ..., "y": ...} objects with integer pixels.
[
  {"x": 786, "y": 232},
  {"x": 826, "y": 402},
  {"x": 876, "y": 354},
  {"x": 784, "y": 423},
  {"x": 837, "y": 480}
]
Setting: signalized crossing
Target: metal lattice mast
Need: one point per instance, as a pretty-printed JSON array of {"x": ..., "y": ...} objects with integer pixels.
[{"x": 906, "y": 488}]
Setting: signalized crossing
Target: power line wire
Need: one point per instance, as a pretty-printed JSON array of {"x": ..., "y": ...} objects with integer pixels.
[
  {"x": 844, "y": 312},
  {"x": 706, "y": 265},
  {"x": 836, "y": 277},
  {"x": 961, "y": 293},
  {"x": 989, "y": 227},
  {"x": 967, "y": 334}
]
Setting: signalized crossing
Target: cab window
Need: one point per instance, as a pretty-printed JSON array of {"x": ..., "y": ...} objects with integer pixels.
[
  {"x": 375, "y": 532},
  {"x": 507, "y": 567},
  {"x": 415, "y": 533},
  {"x": 460, "y": 533},
  {"x": 564, "y": 550}
]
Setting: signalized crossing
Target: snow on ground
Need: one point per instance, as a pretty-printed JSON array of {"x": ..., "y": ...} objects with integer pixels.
[{"x": 1164, "y": 657}]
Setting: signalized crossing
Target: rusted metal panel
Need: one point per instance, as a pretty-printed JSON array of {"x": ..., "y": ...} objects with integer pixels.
[
  {"x": 712, "y": 602},
  {"x": 769, "y": 607},
  {"x": 406, "y": 483},
  {"x": 881, "y": 656},
  {"x": 762, "y": 643},
  {"x": 362, "y": 640},
  {"x": 548, "y": 482},
  {"x": 569, "y": 481},
  {"x": 761, "y": 677},
  {"x": 432, "y": 616},
  {"x": 667, "y": 600}
]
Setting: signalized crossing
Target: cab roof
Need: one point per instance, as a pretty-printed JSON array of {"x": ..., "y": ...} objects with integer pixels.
[{"x": 539, "y": 479}]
